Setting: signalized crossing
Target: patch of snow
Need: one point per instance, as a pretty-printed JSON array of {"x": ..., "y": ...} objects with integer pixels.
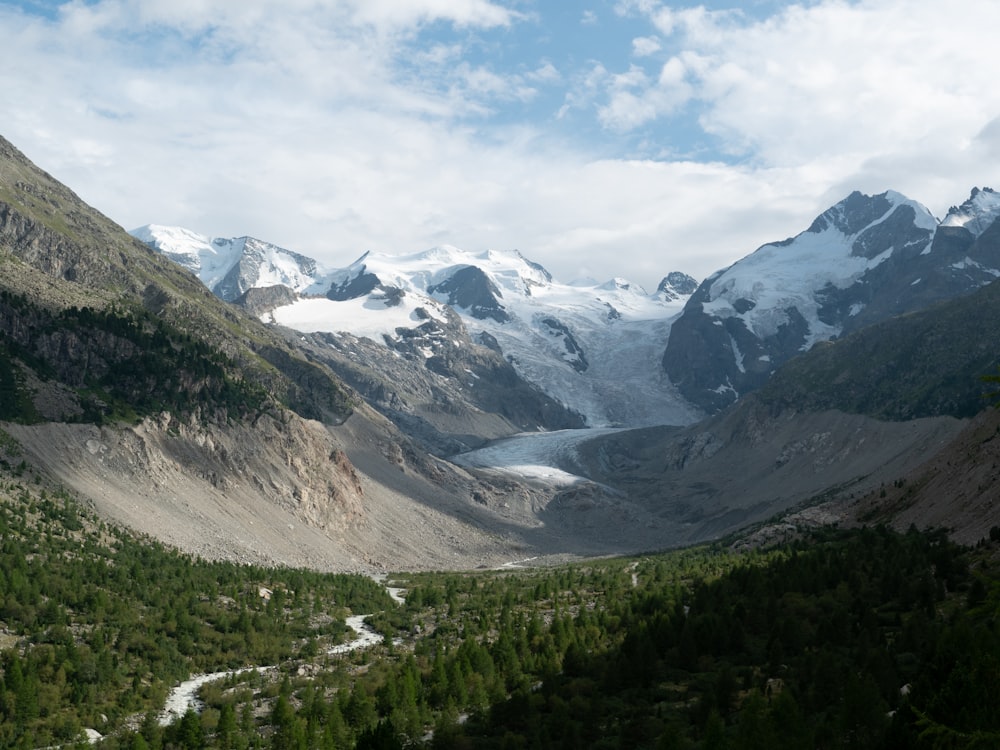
[
  {"x": 737, "y": 354},
  {"x": 365, "y": 317}
]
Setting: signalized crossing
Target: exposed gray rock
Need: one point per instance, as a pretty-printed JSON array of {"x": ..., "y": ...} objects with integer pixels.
[
  {"x": 470, "y": 289},
  {"x": 260, "y": 300},
  {"x": 441, "y": 387},
  {"x": 676, "y": 285},
  {"x": 246, "y": 272}
]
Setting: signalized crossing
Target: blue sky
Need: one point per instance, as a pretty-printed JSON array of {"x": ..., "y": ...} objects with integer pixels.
[{"x": 601, "y": 138}]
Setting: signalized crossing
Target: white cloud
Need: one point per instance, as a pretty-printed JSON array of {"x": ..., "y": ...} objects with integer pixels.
[
  {"x": 338, "y": 127},
  {"x": 835, "y": 78},
  {"x": 545, "y": 73},
  {"x": 392, "y": 13},
  {"x": 644, "y": 46}
]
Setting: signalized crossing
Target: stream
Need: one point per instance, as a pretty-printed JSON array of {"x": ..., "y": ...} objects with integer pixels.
[{"x": 185, "y": 695}]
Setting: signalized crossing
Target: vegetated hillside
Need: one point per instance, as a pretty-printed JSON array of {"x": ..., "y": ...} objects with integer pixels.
[
  {"x": 860, "y": 638},
  {"x": 129, "y": 383},
  {"x": 99, "y": 624},
  {"x": 926, "y": 363},
  {"x": 58, "y": 255}
]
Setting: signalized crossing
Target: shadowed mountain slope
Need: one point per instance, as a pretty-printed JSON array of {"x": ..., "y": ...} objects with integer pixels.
[{"x": 836, "y": 423}]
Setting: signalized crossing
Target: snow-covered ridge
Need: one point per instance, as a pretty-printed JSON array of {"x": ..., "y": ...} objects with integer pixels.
[
  {"x": 762, "y": 287},
  {"x": 977, "y": 213},
  {"x": 867, "y": 258},
  {"x": 594, "y": 347},
  {"x": 230, "y": 266}
]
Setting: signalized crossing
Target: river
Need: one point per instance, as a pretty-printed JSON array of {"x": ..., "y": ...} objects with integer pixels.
[{"x": 185, "y": 695}]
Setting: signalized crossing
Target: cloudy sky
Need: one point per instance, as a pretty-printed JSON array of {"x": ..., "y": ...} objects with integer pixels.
[{"x": 599, "y": 137}]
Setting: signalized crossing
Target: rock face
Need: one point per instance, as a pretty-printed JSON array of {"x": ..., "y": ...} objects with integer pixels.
[
  {"x": 864, "y": 260},
  {"x": 445, "y": 390},
  {"x": 676, "y": 285},
  {"x": 255, "y": 262},
  {"x": 260, "y": 300},
  {"x": 470, "y": 289}
]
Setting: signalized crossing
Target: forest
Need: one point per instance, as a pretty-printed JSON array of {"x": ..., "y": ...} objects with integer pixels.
[
  {"x": 123, "y": 363},
  {"x": 859, "y": 638}
]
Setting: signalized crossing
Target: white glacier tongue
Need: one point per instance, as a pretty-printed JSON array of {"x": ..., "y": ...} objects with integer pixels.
[{"x": 536, "y": 455}]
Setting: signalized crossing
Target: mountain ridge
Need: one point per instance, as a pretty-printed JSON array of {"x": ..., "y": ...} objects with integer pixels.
[
  {"x": 314, "y": 474},
  {"x": 866, "y": 259}
]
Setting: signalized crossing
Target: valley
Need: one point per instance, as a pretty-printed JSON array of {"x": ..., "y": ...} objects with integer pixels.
[
  {"x": 859, "y": 633},
  {"x": 755, "y": 511}
]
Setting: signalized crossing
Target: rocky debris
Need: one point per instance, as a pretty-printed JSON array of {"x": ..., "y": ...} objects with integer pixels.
[
  {"x": 957, "y": 488},
  {"x": 749, "y": 464}
]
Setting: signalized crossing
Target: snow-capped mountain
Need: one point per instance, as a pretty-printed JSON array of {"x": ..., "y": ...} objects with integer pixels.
[
  {"x": 231, "y": 267},
  {"x": 595, "y": 348},
  {"x": 863, "y": 260},
  {"x": 592, "y": 347}
]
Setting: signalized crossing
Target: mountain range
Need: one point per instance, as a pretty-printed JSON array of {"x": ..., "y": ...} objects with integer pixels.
[
  {"x": 591, "y": 347},
  {"x": 238, "y": 400}
]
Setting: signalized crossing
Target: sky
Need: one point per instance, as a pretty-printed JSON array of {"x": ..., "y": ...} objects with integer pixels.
[{"x": 600, "y": 138}]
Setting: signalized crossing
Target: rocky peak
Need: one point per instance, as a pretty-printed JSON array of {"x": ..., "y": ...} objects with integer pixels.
[
  {"x": 676, "y": 285},
  {"x": 229, "y": 267},
  {"x": 976, "y": 214},
  {"x": 863, "y": 260},
  {"x": 261, "y": 263},
  {"x": 852, "y": 214},
  {"x": 470, "y": 288}
]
